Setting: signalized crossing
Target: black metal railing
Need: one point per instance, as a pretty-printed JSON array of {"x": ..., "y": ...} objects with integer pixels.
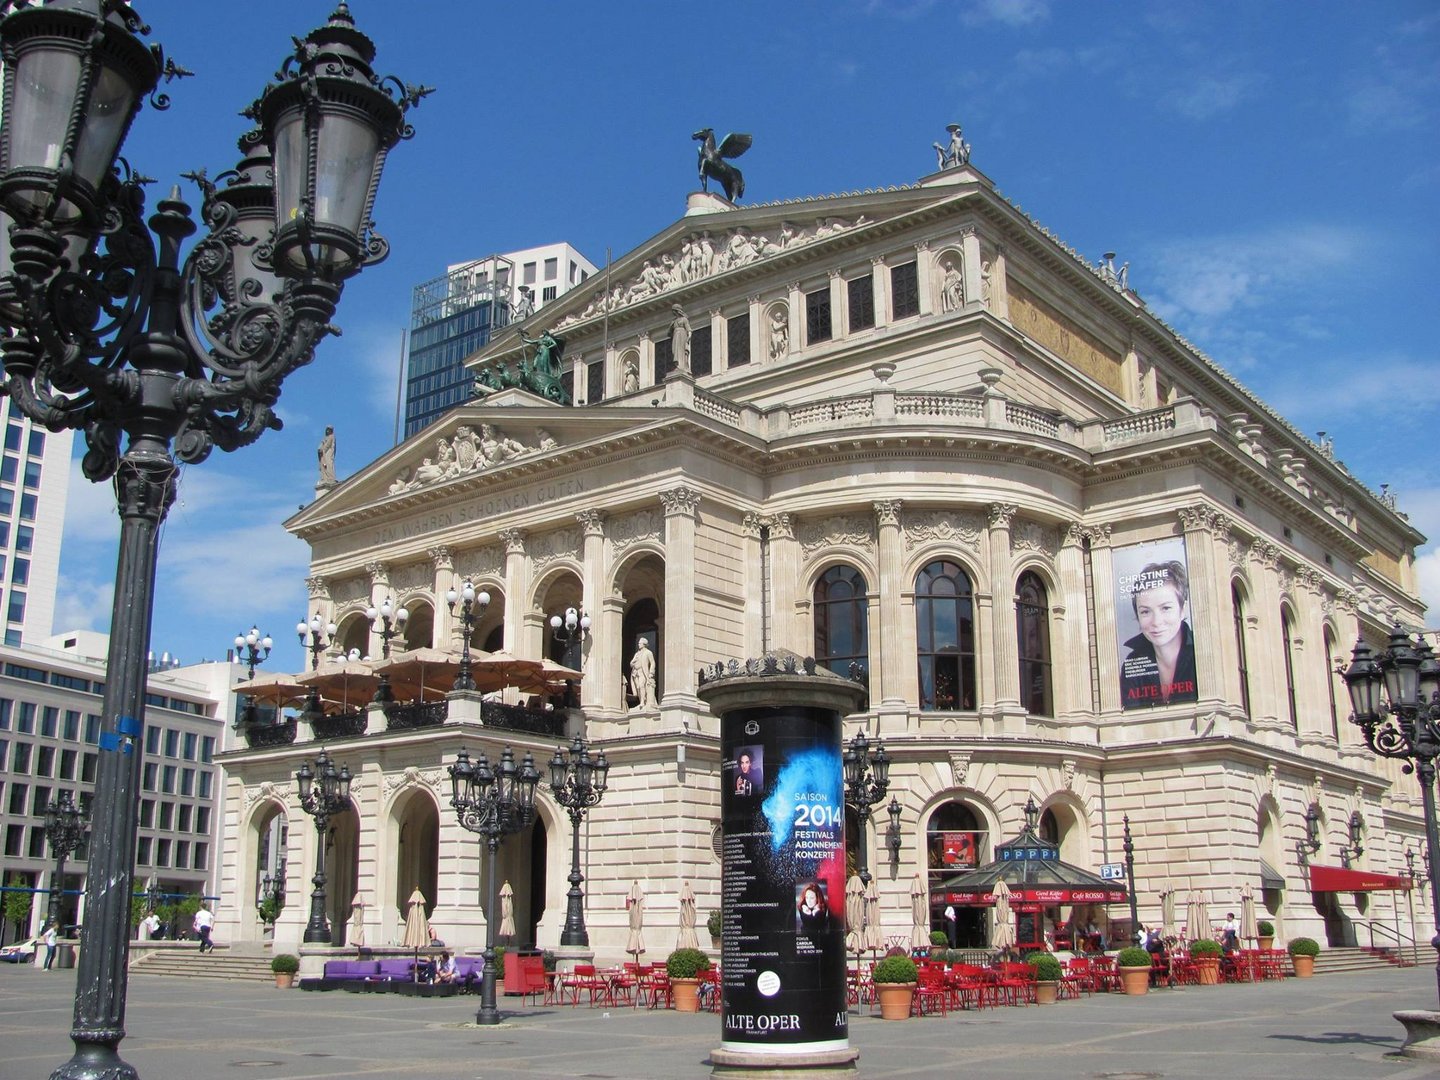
[
  {"x": 259, "y": 736},
  {"x": 415, "y": 715},
  {"x": 339, "y": 726},
  {"x": 518, "y": 718}
]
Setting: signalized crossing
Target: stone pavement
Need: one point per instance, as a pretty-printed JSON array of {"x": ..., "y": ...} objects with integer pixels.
[{"x": 1333, "y": 1028}]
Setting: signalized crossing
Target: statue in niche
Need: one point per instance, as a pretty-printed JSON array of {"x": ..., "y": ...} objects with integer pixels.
[
  {"x": 642, "y": 676},
  {"x": 680, "y": 339},
  {"x": 630, "y": 381},
  {"x": 325, "y": 452},
  {"x": 985, "y": 282},
  {"x": 779, "y": 334},
  {"x": 713, "y": 163},
  {"x": 956, "y": 153},
  {"x": 952, "y": 287}
]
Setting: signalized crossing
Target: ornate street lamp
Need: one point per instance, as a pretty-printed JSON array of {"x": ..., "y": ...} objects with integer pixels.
[
  {"x": 472, "y": 610},
  {"x": 252, "y": 650},
  {"x": 1130, "y": 882},
  {"x": 492, "y": 803},
  {"x": 324, "y": 792},
  {"x": 1309, "y": 844},
  {"x": 65, "y": 828},
  {"x": 867, "y": 779},
  {"x": 392, "y": 625},
  {"x": 315, "y": 637},
  {"x": 578, "y": 783},
  {"x": 1404, "y": 723},
  {"x": 1351, "y": 851}
]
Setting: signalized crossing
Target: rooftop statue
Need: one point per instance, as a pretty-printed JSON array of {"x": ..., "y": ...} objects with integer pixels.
[
  {"x": 538, "y": 372},
  {"x": 954, "y": 155},
  {"x": 713, "y": 163}
]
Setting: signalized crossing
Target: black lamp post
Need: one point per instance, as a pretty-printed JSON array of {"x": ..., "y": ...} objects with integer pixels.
[
  {"x": 1404, "y": 724},
  {"x": 1130, "y": 882},
  {"x": 324, "y": 792},
  {"x": 65, "y": 828},
  {"x": 492, "y": 803},
  {"x": 570, "y": 631},
  {"x": 392, "y": 625},
  {"x": 111, "y": 333},
  {"x": 867, "y": 779},
  {"x": 472, "y": 610},
  {"x": 315, "y": 637},
  {"x": 252, "y": 650},
  {"x": 578, "y": 783}
]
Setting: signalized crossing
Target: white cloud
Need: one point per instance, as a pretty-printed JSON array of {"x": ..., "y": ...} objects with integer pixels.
[
  {"x": 1357, "y": 388},
  {"x": 1009, "y": 12},
  {"x": 1209, "y": 95}
]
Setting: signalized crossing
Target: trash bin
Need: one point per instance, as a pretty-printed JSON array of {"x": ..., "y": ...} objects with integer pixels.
[{"x": 65, "y": 954}]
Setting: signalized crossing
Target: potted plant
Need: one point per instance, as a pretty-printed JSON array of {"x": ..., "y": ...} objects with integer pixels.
[
  {"x": 1303, "y": 951},
  {"x": 1047, "y": 977},
  {"x": 938, "y": 939},
  {"x": 894, "y": 979},
  {"x": 1206, "y": 955},
  {"x": 714, "y": 923},
  {"x": 684, "y": 967},
  {"x": 284, "y": 966},
  {"x": 1134, "y": 966},
  {"x": 1266, "y": 932}
]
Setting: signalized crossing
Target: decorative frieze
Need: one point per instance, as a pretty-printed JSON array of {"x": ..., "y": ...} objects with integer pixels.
[
  {"x": 558, "y": 544},
  {"x": 628, "y": 529},
  {"x": 1032, "y": 536},
  {"x": 264, "y": 790},
  {"x": 839, "y": 530},
  {"x": 413, "y": 777},
  {"x": 963, "y": 528},
  {"x": 350, "y": 590},
  {"x": 480, "y": 562},
  {"x": 413, "y": 576},
  {"x": 467, "y": 452}
]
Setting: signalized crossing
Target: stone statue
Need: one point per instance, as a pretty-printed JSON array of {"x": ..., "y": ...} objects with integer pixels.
[
  {"x": 401, "y": 481},
  {"x": 956, "y": 154},
  {"x": 985, "y": 282},
  {"x": 326, "y": 453},
  {"x": 952, "y": 288},
  {"x": 713, "y": 163},
  {"x": 630, "y": 381},
  {"x": 642, "y": 676},
  {"x": 525, "y": 306},
  {"x": 547, "y": 352},
  {"x": 429, "y": 472},
  {"x": 546, "y": 440},
  {"x": 680, "y": 339},
  {"x": 779, "y": 334},
  {"x": 495, "y": 447},
  {"x": 467, "y": 448}
]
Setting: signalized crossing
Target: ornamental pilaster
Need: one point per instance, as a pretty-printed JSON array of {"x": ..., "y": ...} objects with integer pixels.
[
  {"x": 1206, "y": 605},
  {"x": 592, "y": 527},
  {"x": 925, "y": 276},
  {"x": 880, "y": 288},
  {"x": 1071, "y": 679},
  {"x": 517, "y": 587},
  {"x": 892, "y": 688},
  {"x": 442, "y": 561},
  {"x": 678, "y": 640},
  {"x": 1004, "y": 646}
]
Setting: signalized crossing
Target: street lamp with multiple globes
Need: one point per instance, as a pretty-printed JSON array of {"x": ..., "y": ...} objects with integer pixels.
[
  {"x": 65, "y": 828},
  {"x": 1403, "y": 724},
  {"x": 252, "y": 650},
  {"x": 315, "y": 637},
  {"x": 578, "y": 783},
  {"x": 867, "y": 779},
  {"x": 111, "y": 332},
  {"x": 492, "y": 803},
  {"x": 392, "y": 625},
  {"x": 472, "y": 610},
  {"x": 324, "y": 792}
]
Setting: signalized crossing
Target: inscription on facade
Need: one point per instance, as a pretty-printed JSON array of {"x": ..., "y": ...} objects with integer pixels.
[{"x": 448, "y": 517}]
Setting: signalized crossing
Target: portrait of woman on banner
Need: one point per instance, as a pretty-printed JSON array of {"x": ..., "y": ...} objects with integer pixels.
[{"x": 1160, "y": 668}]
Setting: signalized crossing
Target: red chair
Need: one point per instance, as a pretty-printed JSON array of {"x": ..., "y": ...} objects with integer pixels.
[
  {"x": 658, "y": 991},
  {"x": 586, "y": 978},
  {"x": 930, "y": 992}
]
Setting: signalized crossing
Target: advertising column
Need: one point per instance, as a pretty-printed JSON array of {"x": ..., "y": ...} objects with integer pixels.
[{"x": 783, "y": 888}]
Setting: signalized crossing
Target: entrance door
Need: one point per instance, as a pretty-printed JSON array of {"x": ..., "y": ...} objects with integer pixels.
[{"x": 1339, "y": 930}]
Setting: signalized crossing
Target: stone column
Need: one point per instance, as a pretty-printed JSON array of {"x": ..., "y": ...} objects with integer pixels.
[
  {"x": 379, "y": 591},
  {"x": 837, "y": 305},
  {"x": 1070, "y": 677},
  {"x": 612, "y": 371},
  {"x": 647, "y": 372},
  {"x": 970, "y": 249},
  {"x": 718, "y": 359},
  {"x": 681, "y": 510},
  {"x": 880, "y": 282},
  {"x": 787, "y": 595},
  {"x": 999, "y": 287},
  {"x": 753, "y": 586},
  {"x": 1005, "y": 648},
  {"x": 1266, "y": 653},
  {"x": 759, "y": 333},
  {"x": 797, "y": 318},
  {"x": 1102, "y": 577},
  {"x": 442, "y": 559},
  {"x": 888, "y": 688},
  {"x": 924, "y": 274},
  {"x": 1206, "y": 610},
  {"x": 517, "y": 588},
  {"x": 592, "y": 524}
]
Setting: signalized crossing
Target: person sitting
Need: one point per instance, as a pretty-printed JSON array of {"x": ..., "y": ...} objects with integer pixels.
[{"x": 447, "y": 971}]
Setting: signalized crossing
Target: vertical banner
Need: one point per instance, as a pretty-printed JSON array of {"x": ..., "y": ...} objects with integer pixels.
[
  {"x": 1152, "y": 620},
  {"x": 783, "y": 942}
]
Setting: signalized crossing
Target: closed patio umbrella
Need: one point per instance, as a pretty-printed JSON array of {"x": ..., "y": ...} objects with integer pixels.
[
  {"x": 1193, "y": 924},
  {"x": 1167, "y": 911},
  {"x": 417, "y": 928},
  {"x": 507, "y": 911},
  {"x": 1249, "y": 929},
  {"x": 854, "y": 914},
  {"x": 1204, "y": 917},
  {"x": 871, "y": 941},
  {"x": 356, "y": 934},
  {"x": 686, "y": 938},
  {"x": 919, "y": 915},
  {"x": 1004, "y": 936},
  {"x": 635, "y": 904}
]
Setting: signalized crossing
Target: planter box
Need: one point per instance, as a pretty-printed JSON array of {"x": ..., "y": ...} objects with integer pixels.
[
  {"x": 686, "y": 993},
  {"x": 1208, "y": 968},
  {"x": 1135, "y": 980},
  {"x": 895, "y": 1000},
  {"x": 1304, "y": 966},
  {"x": 1046, "y": 993}
]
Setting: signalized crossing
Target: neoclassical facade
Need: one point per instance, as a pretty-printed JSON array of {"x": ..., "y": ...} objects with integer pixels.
[{"x": 907, "y": 430}]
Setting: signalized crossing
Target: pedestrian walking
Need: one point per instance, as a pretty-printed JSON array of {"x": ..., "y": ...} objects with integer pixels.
[
  {"x": 51, "y": 945},
  {"x": 203, "y": 922}
]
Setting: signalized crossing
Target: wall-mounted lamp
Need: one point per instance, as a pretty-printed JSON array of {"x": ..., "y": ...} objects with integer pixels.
[
  {"x": 892, "y": 832},
  {"x": 1354, "y": 849},
  {"x": 1310, "y": 843}
]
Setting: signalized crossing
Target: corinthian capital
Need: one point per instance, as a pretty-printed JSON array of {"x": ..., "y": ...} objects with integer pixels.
[
  {"x": 887, "y": 511},
  {"x": 680, "y": 500}
]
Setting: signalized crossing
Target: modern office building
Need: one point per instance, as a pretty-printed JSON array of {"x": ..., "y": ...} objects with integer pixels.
[
  {"x": 50, "y": 703},
  {"x": 34, "y": 484},
  {"x": 454, "y": 315},
  {"x": 906, "y": 429}
]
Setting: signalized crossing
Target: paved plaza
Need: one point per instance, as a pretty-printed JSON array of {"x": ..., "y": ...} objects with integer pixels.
[{"x": 1326, "y": 1028}]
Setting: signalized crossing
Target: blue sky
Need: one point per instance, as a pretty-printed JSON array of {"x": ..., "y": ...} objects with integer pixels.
[{"x": 1268, "y": 169}]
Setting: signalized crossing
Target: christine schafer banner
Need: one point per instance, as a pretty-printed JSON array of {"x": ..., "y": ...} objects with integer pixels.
[
  {"x": 1153, "y": 624},
  {"x": 783, "y": 956}
]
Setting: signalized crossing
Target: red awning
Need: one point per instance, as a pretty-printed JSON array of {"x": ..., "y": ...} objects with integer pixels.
[
  {"x": 1034, "y": 895},
  {"x": 1339, "y": 879}
]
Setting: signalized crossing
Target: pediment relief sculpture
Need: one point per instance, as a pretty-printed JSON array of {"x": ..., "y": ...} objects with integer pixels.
[
  {"x": 468, "y": 451},
  {"x": 702, "y": 255}
]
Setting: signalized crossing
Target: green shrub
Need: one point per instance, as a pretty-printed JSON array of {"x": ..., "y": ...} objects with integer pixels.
[
  {"x": 939, "y": 938},
  {"x": 715, "y": 923},
  {"x": 1304, "y": 946},
  {"x": 686, "y": 963},
  {"x": 1266, "y": 929},
  {"x": 895, "y": 969},
  {"x": 1133, "y": 957},
  {"x": 285, "y": 964},
  {"x": 499, "y": 957},
  {"x": 1205, "y": 947},
  {"x": 270, "y": 909},
  {"x": 1047, "y": 968}
]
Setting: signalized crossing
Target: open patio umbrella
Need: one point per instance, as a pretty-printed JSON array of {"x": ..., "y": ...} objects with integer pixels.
[
  {"x": 417, "y": 928},
  {"x": 1004, "y": 936},
  {"x": 635, "y": 905},
  {"x": 420, "y": 674},
  {"x": 497, "y": 670},
  {"x": 919, "y": 915},
  {"x": 870, "y": 940},
  {"x": 507, "y": 911},
  {"x": 351, "y": 683},
  {"x": 854, "y": 914},
  {"x": 272, "y": 688},
  {"x": 1167, "y": 911},
  {"x": 686, "y": 939},
  {"x": 557, "y": 675}
]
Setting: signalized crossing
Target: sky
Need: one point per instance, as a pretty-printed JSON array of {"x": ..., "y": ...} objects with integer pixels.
[{"x": 1269, "y": 170}]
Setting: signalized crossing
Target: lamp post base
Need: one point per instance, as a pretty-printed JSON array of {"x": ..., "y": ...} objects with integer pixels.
[
  {"x": 96, "y": 1061},
  {"x": 1422, "y": 1033}
]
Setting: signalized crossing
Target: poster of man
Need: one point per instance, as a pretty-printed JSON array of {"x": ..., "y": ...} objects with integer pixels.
[
  {"x": 749, "y": 765},
  {"x": 1152, "y": 619}
]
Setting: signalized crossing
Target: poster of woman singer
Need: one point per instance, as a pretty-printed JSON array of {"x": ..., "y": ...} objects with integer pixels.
[{"x": 1152, "y": 619}]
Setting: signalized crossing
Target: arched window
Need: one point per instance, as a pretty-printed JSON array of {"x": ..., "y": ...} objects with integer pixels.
[
  {"x": 955, "y": 841},
  {"x": 1237, "y": 604},
  {"x": 1287, "y": 641},
  {"x": 842, "y": 635},
  {"x": 945, "y": 636},
  {"x": 1330, "y": 677},
  {"x": 1033, "y": 626}
]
